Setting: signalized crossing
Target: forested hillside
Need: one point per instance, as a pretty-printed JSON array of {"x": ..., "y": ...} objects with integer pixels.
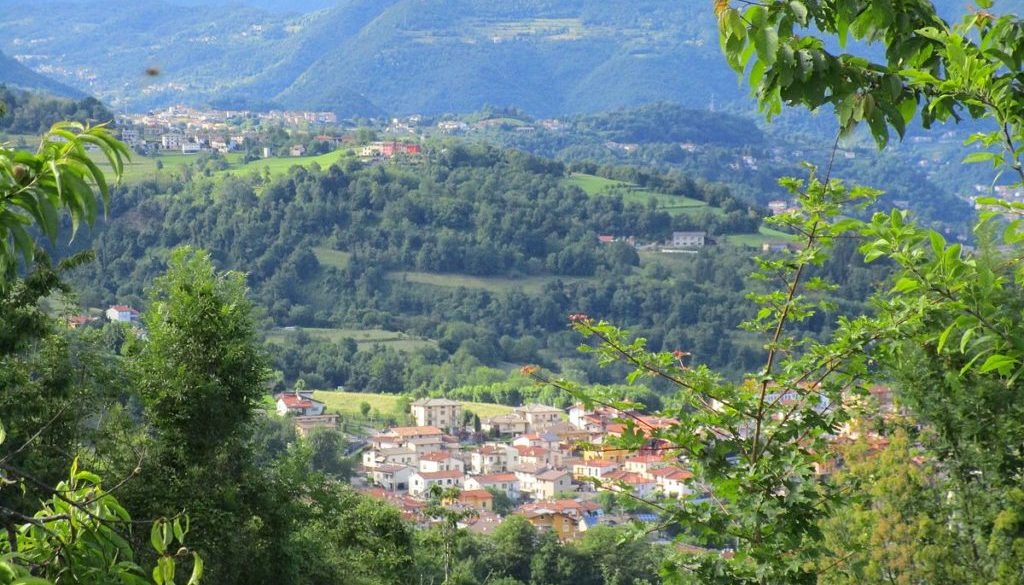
[
  {"x": 921, "y": 173},
  {"x": 478, "y": 252},
  {"x": 34, "y": 113}
]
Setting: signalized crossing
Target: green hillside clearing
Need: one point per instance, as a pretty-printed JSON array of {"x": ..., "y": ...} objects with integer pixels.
[
  {"x": 675, "y": 204},
  {"x": 495, "y": 284}
]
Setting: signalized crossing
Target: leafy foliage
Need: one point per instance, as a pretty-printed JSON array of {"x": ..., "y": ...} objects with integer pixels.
[{"x": 34, "y": 188}]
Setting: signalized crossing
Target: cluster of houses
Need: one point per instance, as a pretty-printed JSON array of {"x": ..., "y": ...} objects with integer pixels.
[
  {"x": 548, "y": 462},
  {"x": 390, "y": 149},
  {"x": 189, "y": 131},
  {"x": 115, "y": 314},
  {"x": 543, "y": 463}
]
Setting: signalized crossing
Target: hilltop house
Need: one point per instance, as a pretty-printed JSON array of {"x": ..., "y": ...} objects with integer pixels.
[
  {"x": 123, "y": 313},
  {"x": 299, "y": 404},
  {"x": 688, "y": 239}
]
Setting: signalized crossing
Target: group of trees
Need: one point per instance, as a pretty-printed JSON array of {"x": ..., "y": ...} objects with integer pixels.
[{"x": 34, "y": 113}]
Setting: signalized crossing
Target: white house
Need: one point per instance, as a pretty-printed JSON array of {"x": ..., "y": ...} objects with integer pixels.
[
  {"x": 377, "y": 457},
  {"x": 504, "y": 482},
  {"x": 440, "y": 461},
  {"x": 630, "y": 482},
  {"x": 392, "y": 477},
  {"x": 672, "y": 482},
  {"x": 123, "y": 313},
  {"x": 421, "y": 481},
  {"x": 492, "y": 458},
  {"x": 299, "y": 404},
  {"x": 595, "y": 468},
  {"x": 688, "y": 239}
]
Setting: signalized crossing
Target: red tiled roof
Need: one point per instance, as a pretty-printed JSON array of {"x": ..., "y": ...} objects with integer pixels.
[
  {"x": 671, "y": 473},
  {"x": 293, "y": 401},
  {"x": 496, "y": 478},
  {"x": 646, "y": 459},
  {"x": 437, "y": 456},
  {"x": 628, "y": 477},
  {"x": 476, "y": 495}
]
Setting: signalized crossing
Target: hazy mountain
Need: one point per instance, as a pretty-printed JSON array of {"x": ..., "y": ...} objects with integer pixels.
[
  {"x": 14, "y": 74},
  {"x": 366, "y": 57}
]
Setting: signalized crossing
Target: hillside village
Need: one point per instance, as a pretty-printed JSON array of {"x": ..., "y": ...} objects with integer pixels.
[{"x": 544, "y": 463}]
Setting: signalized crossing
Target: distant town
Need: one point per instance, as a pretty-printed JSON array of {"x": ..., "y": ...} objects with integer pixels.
[{"x": 544, "y": 463}]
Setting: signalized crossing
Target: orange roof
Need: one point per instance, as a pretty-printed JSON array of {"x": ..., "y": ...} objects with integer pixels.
[
  {"x": 628, "y": 477},
  {"x": 476, "y": 495},
  {"x": 671, "y": 473},
  {"x": 496, "y": 477},
  {"x": 437, "y": 456},
  {"x": 525, "y": 451},
  {"x": 646, "y": 459}
]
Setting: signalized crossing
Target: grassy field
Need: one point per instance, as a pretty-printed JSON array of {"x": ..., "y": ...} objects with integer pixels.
[
  {"x": 280, "y": 165},
  {"x": 145, "y": 167},
  {"x": 675, "y": 204},
  {"x": 348, "y": 402},
  {"x": 496, "y": 284},
  {"x": 334, "y": 258},
  {"x": 365, "y": 338},
  {"x": 765, "y": 234}
]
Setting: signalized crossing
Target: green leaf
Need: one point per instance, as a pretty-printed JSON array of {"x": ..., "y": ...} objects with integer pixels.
[
  {"x": 943, "y": 337},
  {"x": 197, "y": 569},
  {"x": 156, "y": 538},
  {"x": 766, "y": 41},
  {"x": 997, "y": 361},
  {"x": 977, "y": 157}
]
